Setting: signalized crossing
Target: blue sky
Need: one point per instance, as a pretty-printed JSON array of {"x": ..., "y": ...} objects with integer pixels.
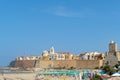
[{"x": 27, "y": 27}]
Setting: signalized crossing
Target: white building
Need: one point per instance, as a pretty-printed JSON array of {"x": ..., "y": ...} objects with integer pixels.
[
  {"x": 60, "y": 56},
  {"x": 27, "y": 58},
  {"x": 92, "y": 56},
  {"x": 54, "y": 55}
]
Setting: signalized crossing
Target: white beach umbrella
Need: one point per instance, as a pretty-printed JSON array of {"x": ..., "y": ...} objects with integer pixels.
[{"x": 116, "y": 74}]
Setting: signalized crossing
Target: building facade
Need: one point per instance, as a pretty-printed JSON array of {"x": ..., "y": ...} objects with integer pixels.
[
  {"x": 52, "y": 55},
  {"x": 92, "y": 56},
  {"x": 28, "y": 58}
]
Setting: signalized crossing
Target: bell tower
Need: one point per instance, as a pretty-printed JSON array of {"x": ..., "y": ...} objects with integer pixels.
[{"x": 52, "y": 50}]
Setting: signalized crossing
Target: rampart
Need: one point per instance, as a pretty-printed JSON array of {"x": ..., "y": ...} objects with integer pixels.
[
  {"x": 83, "y": 64},
  {"x": 25, "y": 63}
]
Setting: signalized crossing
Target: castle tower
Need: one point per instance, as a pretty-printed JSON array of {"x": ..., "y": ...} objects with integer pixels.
[
  {"x": 112, "y": 57},
  {"x": 112, "y": 47}
]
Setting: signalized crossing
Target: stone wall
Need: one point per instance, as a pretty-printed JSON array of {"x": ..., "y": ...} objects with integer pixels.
[
  {"x": 111, "y": 59},
  {"x": 57, "y": 63},
  {"x": 25, "y": 63},
  {"x": 83, "y": 64},
  {"x": 45, "y": 63},
  {"x": 65, "y": 63},
  {"x": 89, "y": 64}
]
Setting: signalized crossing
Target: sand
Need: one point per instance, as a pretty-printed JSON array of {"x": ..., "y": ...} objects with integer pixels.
[
  {"x": 18, "y": 76},
  {"x": 114, "y": 78},
  {"x": 31, "y": 76}
]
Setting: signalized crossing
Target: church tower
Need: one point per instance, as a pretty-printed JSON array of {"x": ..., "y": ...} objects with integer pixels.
[
  {"x": 112, "y": 47},
  {"x": 52, "y": 50}
]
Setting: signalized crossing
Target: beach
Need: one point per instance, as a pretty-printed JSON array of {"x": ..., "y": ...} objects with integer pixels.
[
  {"x": 18, "y": 76},
  {"x": 50, "y": 74},
  {"x": 31, "y": 76}
]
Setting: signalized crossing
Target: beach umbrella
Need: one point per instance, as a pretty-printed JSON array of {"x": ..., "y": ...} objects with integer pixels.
[
  {"x": 91, "y": 75},
  {"x": 80, "y": 76},
  {"x": 116, "y": 74}
]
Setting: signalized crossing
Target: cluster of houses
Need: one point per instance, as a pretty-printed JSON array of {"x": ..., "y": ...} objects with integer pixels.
[
  {"x": 112, "y": 57},
  {"x": 52, "y": 55}
]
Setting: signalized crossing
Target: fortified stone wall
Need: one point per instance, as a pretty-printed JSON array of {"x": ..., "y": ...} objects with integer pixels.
[
  {"x": 65, "y": 63},
  {"x": 111, "y": 59},
  {"x": 89, "y": 64},
  {"x": 101, "y": 63},
  {"x": 25, "y": 63},
  {"x": 83, "y": 64},
  {"x": 57, "y": 63},
  {"x": 45, "y": 63}
]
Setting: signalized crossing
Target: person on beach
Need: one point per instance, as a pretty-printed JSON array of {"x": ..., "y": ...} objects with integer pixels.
[{"x": 2, "y": 73}]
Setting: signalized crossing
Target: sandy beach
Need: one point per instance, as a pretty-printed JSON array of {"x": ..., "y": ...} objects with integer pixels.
[
  {"x": 18, "y": 76},
  {"x": 30, "y": 76}
]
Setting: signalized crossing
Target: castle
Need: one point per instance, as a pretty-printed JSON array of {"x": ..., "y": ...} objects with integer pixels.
[
  {"x": 52, "y": 59},
  {"x": 113, "y": 55}
]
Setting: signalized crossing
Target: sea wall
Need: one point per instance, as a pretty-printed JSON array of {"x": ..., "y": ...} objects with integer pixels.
[
  {"x": 89, "y": 64},
  {"x": 83, "y": 64},
  {"x": 25, "y": 63}
]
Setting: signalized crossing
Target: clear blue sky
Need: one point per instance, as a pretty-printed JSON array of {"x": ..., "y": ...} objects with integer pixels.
[{"x": 27, "y": 27}]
